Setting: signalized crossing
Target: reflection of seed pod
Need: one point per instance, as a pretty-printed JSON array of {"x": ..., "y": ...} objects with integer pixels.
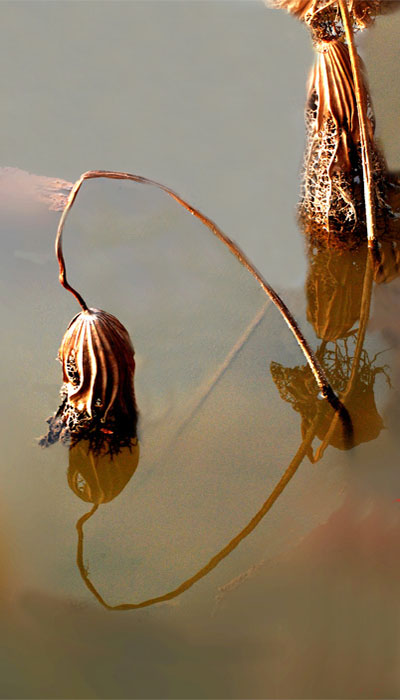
[
  {"x": 100, "y": 478},
  {"x": 295, "y": 386},
  {"x": 334, "y": 290}
]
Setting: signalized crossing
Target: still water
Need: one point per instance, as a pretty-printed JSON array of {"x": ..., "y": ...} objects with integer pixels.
[{"x": 304, "y": 604}]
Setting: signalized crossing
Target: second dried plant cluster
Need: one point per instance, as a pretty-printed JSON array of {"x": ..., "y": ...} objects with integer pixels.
[{"x": 338, "y": 111}]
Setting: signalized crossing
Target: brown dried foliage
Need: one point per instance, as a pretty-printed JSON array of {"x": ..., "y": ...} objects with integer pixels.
[{"x": 332, "y": 195}]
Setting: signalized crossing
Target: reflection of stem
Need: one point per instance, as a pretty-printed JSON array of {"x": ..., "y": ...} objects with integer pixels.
[
  {"x": 206, "y": 389},
  {"x": 315, "y": 366},
  {"x": 362, "y": 119},
  {"x": 251, "y": 525},
  {"x": 362, "y": 328}
]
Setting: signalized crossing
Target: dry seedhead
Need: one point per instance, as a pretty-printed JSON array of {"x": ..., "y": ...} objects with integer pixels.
[
  {"x": 98, "y": 398},
  {"x": 332, "y": 193},
  {"x": 344, "y": 173}
]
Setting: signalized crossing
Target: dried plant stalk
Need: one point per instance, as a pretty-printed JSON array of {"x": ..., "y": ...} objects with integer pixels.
[{"x": 319, "y": 374}]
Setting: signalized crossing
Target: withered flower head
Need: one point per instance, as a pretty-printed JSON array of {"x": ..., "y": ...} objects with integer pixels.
[
  {"x": 332, "y": 194},
  {"x": 98, "y": 395},
  {"x": 98, "y": 364}
]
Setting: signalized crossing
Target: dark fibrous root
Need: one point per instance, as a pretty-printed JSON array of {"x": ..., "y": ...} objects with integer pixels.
[{"x": 69, "y": 426}]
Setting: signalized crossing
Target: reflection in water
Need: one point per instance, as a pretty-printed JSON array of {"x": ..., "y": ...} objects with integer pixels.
[
  {"x": 97, "y": 355},
  {"x": 339, "y": 287},
  {"x": 334, "y": 289},
  {"x": 337, "y": 357},
  {"x": 217, "y": 558}
]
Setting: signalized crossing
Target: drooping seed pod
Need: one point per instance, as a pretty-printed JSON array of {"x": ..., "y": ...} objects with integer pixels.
[
  {"x": 332, "y": 193},
  {"x": 98, "y": 394},
  {"x": 341, "y": 202}
]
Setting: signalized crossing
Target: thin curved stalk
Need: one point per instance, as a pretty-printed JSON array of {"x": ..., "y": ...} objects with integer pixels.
[
  {"x": 317, "y": 370},
  {"x": 362, "y": 119},
  {"x": 223, "y": 553}
]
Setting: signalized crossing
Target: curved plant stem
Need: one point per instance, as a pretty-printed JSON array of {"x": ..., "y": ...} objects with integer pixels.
[
  {"x": 369, "y": 199},
  {"x": 223, "y": 553},
  {"x": 317, "y": 370}
]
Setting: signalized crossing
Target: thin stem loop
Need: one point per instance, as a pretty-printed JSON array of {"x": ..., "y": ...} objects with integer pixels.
[{"x": 317, "y": 370}]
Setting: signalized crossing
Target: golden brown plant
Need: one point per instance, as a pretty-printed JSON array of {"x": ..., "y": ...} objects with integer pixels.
[
  {"x": 98, "y": 398},
  {"x": 343, "y": 189},
  {"x": 332, "y": 194}
]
